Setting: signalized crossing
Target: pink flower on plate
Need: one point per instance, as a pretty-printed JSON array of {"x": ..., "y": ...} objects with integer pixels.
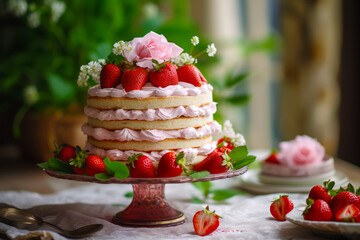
[
  {"x": 151, "y": 46},
  {"x": 300, "y": 151}
]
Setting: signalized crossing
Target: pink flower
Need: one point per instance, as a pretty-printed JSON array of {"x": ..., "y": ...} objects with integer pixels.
[
  {"x": 300, "y": 151},
  {"x": 151, "y": 46}
]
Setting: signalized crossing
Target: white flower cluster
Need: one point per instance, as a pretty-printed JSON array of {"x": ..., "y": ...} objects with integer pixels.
[
  {"x": 195, "y": 40},
  {"x": 183, "y": 59},
  {"x": 33, "y": 19},
  {"x": 121, "y": 47},
  {"x": 236, "y": 138},
  {"x": 57, "y": 9},
  {"x": 93, "y": 69},
  {"x": 211, "y": 50},
  {"x": 18, "y": 7}
]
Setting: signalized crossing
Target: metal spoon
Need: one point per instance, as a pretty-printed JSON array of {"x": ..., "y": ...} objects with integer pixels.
[{"x": 26, "y": 220}]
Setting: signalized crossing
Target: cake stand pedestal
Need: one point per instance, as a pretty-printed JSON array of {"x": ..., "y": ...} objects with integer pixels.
[{"x": 149, "y": 207}]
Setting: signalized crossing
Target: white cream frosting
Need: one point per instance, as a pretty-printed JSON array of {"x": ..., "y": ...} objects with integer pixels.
[
  {"x": 151, "y": 114},
  {"x": 151, "y": 135},
  {"x": 115, "y": 154},
  {"x": 148, "y": 90}
]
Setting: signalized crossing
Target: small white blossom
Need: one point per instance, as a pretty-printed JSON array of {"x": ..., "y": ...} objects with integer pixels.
[
  {"x": 102, "y": 61},
  {"x": 183, "y": 59},
  {"x": 150, "y": 10},
  {"x": 19, "y": 7},
  {"x": 194, "y": 40},
  {"x": 83, "y": 76},
  {"x": 57, "y": 9},
  {"x": 211, "y": 50},
  {"x": 121, "y": 47},
  {"x": 94, "y": 69},
  {"x": 31, "y": 94},
  {"x": 33, "y": 19},
  {"x": 238, "y": 140},
  {"x": 228, "y": 130}
]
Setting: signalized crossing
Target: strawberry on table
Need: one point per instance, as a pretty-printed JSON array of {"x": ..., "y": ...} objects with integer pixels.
[
  {"x": 215, "y": 162},
  {"x": 348, "y": 213},
  {"x": 317, "y": 210},
  {"x": 134, "y": 78},
  {"x": 191, "y": 74},
  {"x": 205, "y": 222},
  {"x": 164, "y": 75},
  {"x": 110, "y": 76},
  {"x": 280, "y": 207},
  {"x": 94, "y": 165},
  {"x": 141, "y": 166},
  {"x": 64, "y": 152},
  {"x": 342, "y": 199},
  {"x": 322, "y": 192},
  {"x": 171, "y": 165}
]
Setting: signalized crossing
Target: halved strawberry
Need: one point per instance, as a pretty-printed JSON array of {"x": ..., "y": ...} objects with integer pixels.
[
  {"x": 134, "y": 79},
  {"x": 348, "y": 213},
  {"x": 342, "y": 199},
  {"x": 280, "y": 207},
  {"x": 164, "y": 75},
  {"x": 205, "y": 222},
  {"x": 191, "y": 74},
  {"x": 110, "y": 76},
  {"x": 141, "y": 166}
]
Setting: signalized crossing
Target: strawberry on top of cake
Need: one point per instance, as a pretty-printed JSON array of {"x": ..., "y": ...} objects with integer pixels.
[{"x": 300, "y": 157}]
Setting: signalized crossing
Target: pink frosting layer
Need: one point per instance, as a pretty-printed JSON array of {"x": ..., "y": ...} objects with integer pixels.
[
  {"x": 151, "y": 135},
  {"x": 115, "y": 154},
  {"x": 148, "y": 90},
  {"x": 151, "y": 114}
]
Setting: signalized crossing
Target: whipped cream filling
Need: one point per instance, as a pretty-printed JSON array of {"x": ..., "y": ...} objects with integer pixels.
[
  {"x": 148, "y": 90},
  {"x": 151, "y": 135},
  {"x": 115, "y": 154},
  {"x": 151, "y": 114}
]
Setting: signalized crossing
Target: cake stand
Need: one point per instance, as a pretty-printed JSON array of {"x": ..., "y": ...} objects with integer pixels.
[{"x": 149, "y": 207}]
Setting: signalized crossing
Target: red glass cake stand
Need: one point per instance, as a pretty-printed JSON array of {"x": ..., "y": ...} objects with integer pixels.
[{"x": 149, "y": 207}]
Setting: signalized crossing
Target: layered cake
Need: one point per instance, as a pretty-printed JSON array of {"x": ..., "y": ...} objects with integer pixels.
[
  {"x": 302, "y": 158},
  {"x": 151, "y": 101}
]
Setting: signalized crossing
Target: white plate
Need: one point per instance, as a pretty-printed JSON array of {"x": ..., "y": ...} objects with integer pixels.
[
  {"x": 250, "y": 182},
  {"x": 348, "y": 229}
]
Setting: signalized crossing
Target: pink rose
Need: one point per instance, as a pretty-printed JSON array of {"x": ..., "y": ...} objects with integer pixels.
[
  {"x": 302, "y": 150},
  {"x": 151, "y": 46}
]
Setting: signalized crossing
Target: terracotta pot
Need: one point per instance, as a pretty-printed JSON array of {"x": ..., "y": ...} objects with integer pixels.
[{"x": 38, "y": 132}]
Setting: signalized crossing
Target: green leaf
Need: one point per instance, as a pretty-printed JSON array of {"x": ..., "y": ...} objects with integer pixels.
[
  {"x": 232, "y": 81},
  {"x": 44, "y": 165},
  {"x": 129, "y": 194},
  {"x": 58, "y": 165},
  {"x": 103, "y": 176},
  {"x": 197, "y": 200},
  {"x": 350, "y": 188},
  {"x": 244, "y": 162},
  {"x": 119, "y": 169},
  {"x": 121, "y": 175},
  {"x": 358, "y": 192},
  {"x": 204, "y": 187},
  {"x": 223, "y": 194},
  {"x": 108, "y": 168},
  {"x": 60, "y": 89},
  {"x": 238, "y": 153},
  {"x": 332, "y": 193},
  {"x": 199, "y": 174},
  {"x": 238, "y": 99}
]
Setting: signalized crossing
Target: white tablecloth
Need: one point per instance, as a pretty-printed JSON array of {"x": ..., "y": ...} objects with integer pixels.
[{"x": 244, "y": 217}]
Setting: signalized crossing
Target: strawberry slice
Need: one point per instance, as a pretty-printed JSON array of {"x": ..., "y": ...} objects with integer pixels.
[
  {"x": 110, "y": 76},
  {"x": 348, "y": 213},
  {"x": 280, "y": 207},
  {"x": 141, "y": 166},
  {"x": 164, "y": 75},
  {"x": 134, "y": 79},
  {"x": 205, "y": 222}
]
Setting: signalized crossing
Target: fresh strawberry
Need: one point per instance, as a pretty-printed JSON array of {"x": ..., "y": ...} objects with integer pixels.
[
  {"x": 317, "y": 210},
  {"x": 141, "y": 166},
  {"x": 272, "y": 158},
  {"x": 110, "y": 76},
  {"x": 205, "y": 222},
  {"x": 224, "y": 144},
  {"x": 64, "y": 152},
  {"x": 191, "y": 74},
  {"x": 215, "y": 162},
  {"x": 134, "y": 79},
  {"x": 280, "y": 207},
  {"x": 94, "y": 165},
  {"x": 348, "y": 213},
  {"x": 322, "y": 192},
  {"x": 171, "y": 165},
  {"x": 164, "y": 76},
  {"x": 342, "y": 199},
  {"x": 79, "y": 170}
]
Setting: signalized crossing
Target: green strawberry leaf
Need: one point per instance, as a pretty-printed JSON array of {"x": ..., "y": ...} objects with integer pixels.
[
  {"x": 197, "y": 200},
  {"x": 238, "y": 153},
  {"x": 44, "y": 165},
  {"x": 244, "y": 162},
  {"x": 129, "y": 194},
  {"x": 103, "y": 176},
  {"x": 358, "y": 192},
  {"x": 238, "y": 99},
  {"x": 223, "y": 194},
  {"x": 108, "y": 167},
  {"x": 232, "y": 81},
  {"x": 199, "y": 174},
  {"x": 122, "y": 174},
  {"x": 58, "y": 165},
  {"x": 350, "y": 188},
  {"x": 332, "y": 193}
]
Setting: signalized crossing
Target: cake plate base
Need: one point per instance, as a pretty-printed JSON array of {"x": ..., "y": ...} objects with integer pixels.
[{"x": 149, "y": 207}]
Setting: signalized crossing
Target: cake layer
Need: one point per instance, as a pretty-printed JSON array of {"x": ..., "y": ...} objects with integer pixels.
[
  {"x": 115, "y": 154},
  {"x": 176, "y": 123},
  {"x": 151, "y": 135},
  {"x": 167, "y": 144},
  {"x": 151, "y": 114},
  {"x": 149, "y": 103}
]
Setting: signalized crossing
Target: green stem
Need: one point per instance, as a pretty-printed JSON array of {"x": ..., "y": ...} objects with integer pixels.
[
  {"x": 199, "y": 53},
  {"x": 19, "y": 116}
]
